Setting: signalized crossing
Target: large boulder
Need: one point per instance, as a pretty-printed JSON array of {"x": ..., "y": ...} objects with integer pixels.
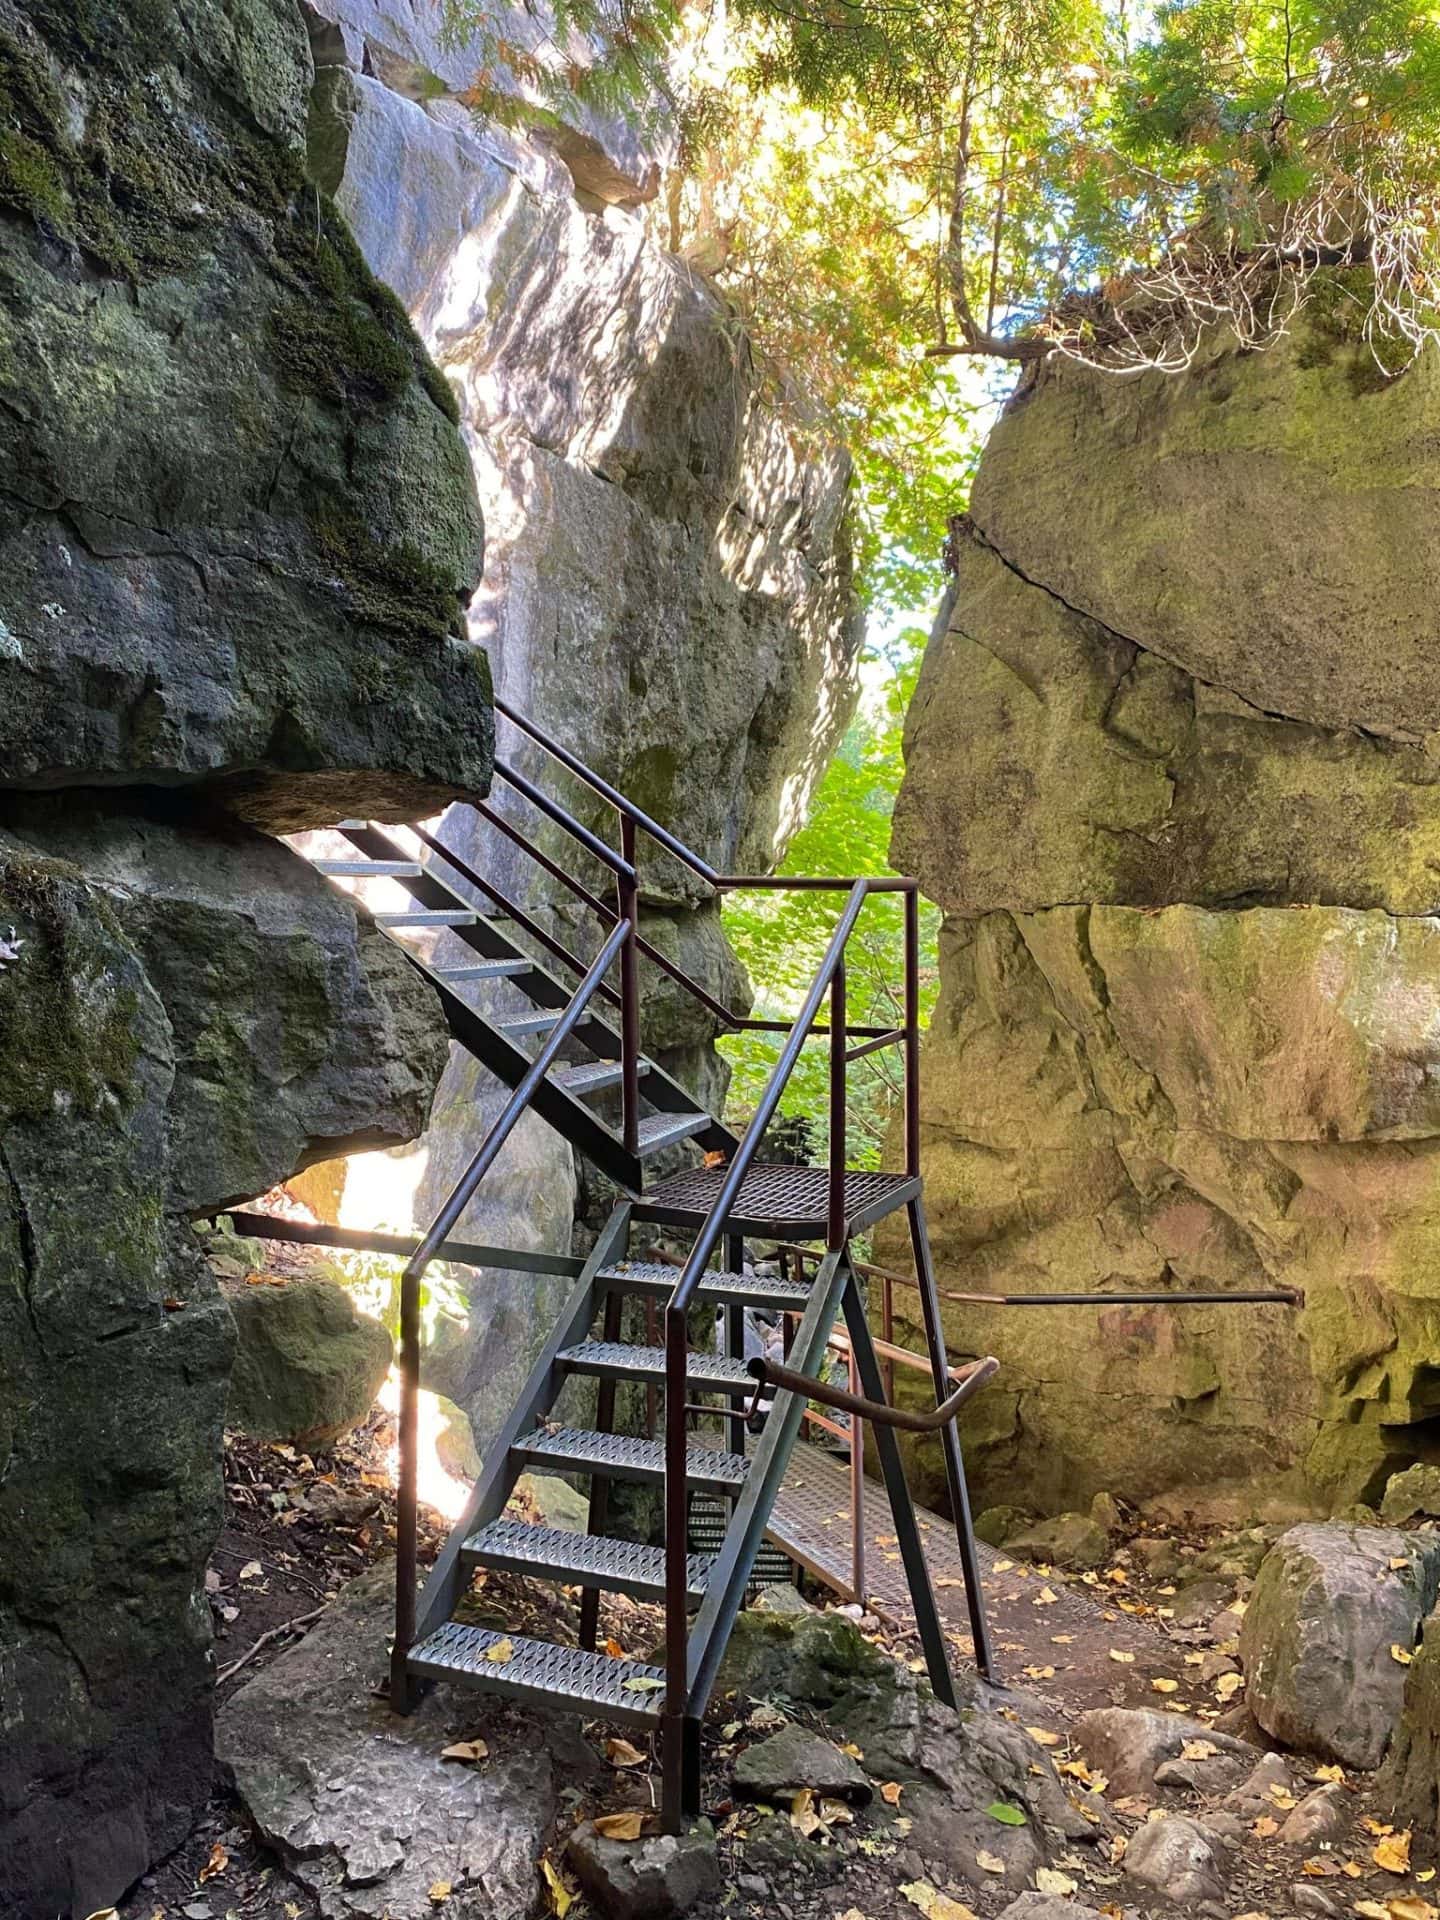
[
  {"x": 1332, "y": 1607},
  {"x": 308, "y": 1363},
  {"x": 1186, "y": 839},
  {"x": 361, "y": 1806},
  {"x": 1409, "y": 1784},
  {"x": 240, "y": 525}
]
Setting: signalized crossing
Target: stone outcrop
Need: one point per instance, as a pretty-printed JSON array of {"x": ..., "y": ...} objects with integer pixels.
[
  {"x": 237, "y": 533},
  {"x": 308, "y": 1362},
  {"x": 1170, "y": 774},
  {"x": 238, "y": 527},
  {"x": 667, "y": 584}
]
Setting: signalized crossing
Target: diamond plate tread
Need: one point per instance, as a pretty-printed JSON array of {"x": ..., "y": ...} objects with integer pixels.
[
  {"x": 579, "y": 1450},
  {"x": 528, "y": 1024},
  {"x": 594, "y": 1075},
  {"x": 587, "y": 1560},
  {"x": 540, "y": 1672},
  {"x": 619, "y": 1362},
  {"x": 660, "y": 1130},
  {"x": 657, "y": 1279},
  {"x": 427, "y": 917},
  {"x": 370, "y": 869}
]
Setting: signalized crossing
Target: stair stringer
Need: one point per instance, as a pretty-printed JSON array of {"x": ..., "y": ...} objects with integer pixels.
[{"x": 442, "y": 1590}]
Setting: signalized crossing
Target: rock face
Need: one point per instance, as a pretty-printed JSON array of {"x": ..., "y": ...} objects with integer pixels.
[
  {"x": 668, "y": 579},
  {"x": 1329, "y": 1604},
  {"x": 308, "y": 1363},
  {"x": 1410, "y": 1782},
  {"x": 1186, "y": 844},
  {"x": 360, "y": 1805},
  {"x": 237, "y": 533},
  {"x": 239, "y": 527}
]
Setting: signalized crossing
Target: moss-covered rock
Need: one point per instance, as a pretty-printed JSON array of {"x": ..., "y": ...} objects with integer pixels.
[
  {"x": 241, "y": 527},
  {"x": 308, "y": 1363}
]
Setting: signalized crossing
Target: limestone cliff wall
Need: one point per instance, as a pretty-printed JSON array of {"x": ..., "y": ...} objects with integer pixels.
[
  {"x": 1171, "y": 775},
  {"x": 237, "y": 533},
  {"x": 667, "y": 585}
]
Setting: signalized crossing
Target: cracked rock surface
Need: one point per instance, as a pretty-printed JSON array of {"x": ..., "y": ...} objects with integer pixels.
[{"x": 1170, "y": 773}]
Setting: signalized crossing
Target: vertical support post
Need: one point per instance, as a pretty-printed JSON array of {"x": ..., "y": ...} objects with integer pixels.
[
  {"x": 675, "y": 1755},
  {"x": 403, "y": 1693},
  {"x": 950, "y": 1435},
  {"x": 735, "y": 1335},
  {"x": 887, "y": 1331},
  {"x": 652, "y": 1398},
  {"x": 911, "y": 898},
  {"x": 857, "y": 1491},
  {"x": 600, "y": 1484},
  {"x": 835, "y": 1213},
  {"x": 628, "y": 904}
]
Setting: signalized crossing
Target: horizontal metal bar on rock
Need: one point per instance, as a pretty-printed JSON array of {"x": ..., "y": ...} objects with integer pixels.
[{"x": 460, "y": 1253}]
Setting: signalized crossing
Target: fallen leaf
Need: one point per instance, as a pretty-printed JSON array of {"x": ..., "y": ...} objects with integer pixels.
[
  {"x": 837, "y": 1813},
  {"x": 440, "y": 1891},
  {"x": 1281, "y": 1797},
  {"x": 466, "y": 1751},
  {"x": 252, "y": 1570},
  {"x": 1007, "y": 1815},
  {"x": 643, "y": 1683},
  {"x": 1265, "y": 1828},
  {"x": 1397, "y": 1561},
  {"x": 620, "y": 1826},
  {"x": 1410, "y": 1906},
  {"x": 103, "y": 1913},
  {"x": 217, "y": 1863},
  {"x": 1124, "y": 1659},
  {"x": 1039, "y": 1673},
  {"x": 1061, "y": 1639},
  {"x": 561, "y": 1898},
  {"x": 934, "y": 1904},
  {"x": 989, "y": 1862},
  {"x": 1164, "y": 1686},
  {"x": 1044, "y": 1598},
  {"x": 615, "y": 1650},
  {"x": 803, "y": 1816},
  {"x": 1043, "y": 1737},
  {"x": 1402, "y": 1655},
  {"x": 855, "y": 1753},
  {"x": 1229, "y": 1684},
  {"x": 1372, "y": 1910},
  {"x": 1051, "y": 1880},
  {"x": 500, "y": 1652},
  {"x": 1393, "y": 1853},
  {"x": 890, "y": 1793},
  {"x": 1199, "y": 1750},
  {"x": 620, "y": 1753},
  {"x": 1328, "y": 1773}
]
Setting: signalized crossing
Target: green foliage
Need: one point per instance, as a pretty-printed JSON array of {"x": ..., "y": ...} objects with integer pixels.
[{"x": 781, "y": 938}]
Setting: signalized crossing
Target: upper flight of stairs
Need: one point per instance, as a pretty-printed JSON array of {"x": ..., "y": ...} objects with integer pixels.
[{"x": 503, "y": 1044}]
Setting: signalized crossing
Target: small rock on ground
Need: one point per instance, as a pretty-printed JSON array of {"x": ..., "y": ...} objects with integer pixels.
[
  {"x": 1129, "y": 1744},
  {"x": 653, "y": 1879},
  {"x": 794, "y": 1758},
  {"x": 1179, "y": 1859},
  {"x": 1320, "y": 1816},
  {"x": 1045, "y": 1906}
]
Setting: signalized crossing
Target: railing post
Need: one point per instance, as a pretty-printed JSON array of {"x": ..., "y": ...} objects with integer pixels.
[
  {"x": 402, "y": 1687},
  {"x": 627, "y": 888},
  {"x": 911, "y": 898},
  {"x": 835, "y": 1218},
  {"x": 857, "y": 1489},
  {"x": 677, "y": 1523}
]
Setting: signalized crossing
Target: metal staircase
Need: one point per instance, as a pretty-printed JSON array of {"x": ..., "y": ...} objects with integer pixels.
[{"x": 559, "y": 1057}]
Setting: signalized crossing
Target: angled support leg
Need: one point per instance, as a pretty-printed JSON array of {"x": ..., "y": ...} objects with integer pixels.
[
  {"x": 600, "y": 1485},
  {"x": 902, "y": 1506},
  {"x": 954, "y": 1464}
]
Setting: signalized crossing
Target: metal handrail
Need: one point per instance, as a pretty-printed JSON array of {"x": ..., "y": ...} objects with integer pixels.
[
  {"x": 406, "y": 1541},
  {"x": 969, "y": 1380}
]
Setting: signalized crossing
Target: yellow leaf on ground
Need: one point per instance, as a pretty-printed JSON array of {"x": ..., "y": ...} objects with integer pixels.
[
  {"x": 1410, "y": 1906},
  {"x": 989, "y": 1862},
  {"x": 620, "y": 1826},
  {"x": 252, "y": 1570},
  {"x": 803, "y": 1816},
  {"x": 1164, "y": 1686},
  {"x": 890, "y": 1793},
  {"x": 1393, "y": 1852},
  {"x": 855, "y": 1753},
  {"x": 1038, "y": 1673},
  {"x": 1051, "y": 1880},
  {"x": 934, "y": 1904},
  {"x": 1229, "y": 1684},
  {"x": 561, "y": 1898},
  {"x": 1199, "y": 1750},
  {"x": 837, "y": 1813},
  {"x": 466, "y": 1751},
  {"x": 1401, "y": 1654},
  {"x": 500, "y": 1653},
  {"x": 1335, "y": 1774},
  {"x": 217, "y": 1863},
  {"x": 1044, "y": 1598},
  {"x": 615, "y": 1650},
  {"x": 1397, "y": 1561},
  {"x": 1265, "y": 1828},
  {"x": 1125, "y": 1659},
  {"x": 1061, "y": 1639},
  {"x": 1044, "y": 1737},
  {"x": 620, "y": 1753},
  {"x": 440, "y": 1891},
  {"x": 1371, "y": 1910}
]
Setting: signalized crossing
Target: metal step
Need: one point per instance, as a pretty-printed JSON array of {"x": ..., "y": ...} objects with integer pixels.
[
  {"x": 660, "y": 1130},
  {"x": 581, "y": 1559},
  {"x": 532, "y": 1023},
  {"x": 656, "y": 1280},
  {"x": 622, "y": 1457},
  {"x": 426, "y": 917},
  {"x": 611, "y": 1360},
  {"x": 369, "y": 869},
  {"x": 593, "y": 1076},
  {"x": 543, "y": 1674},
  {"x": 486, "y": 970}
]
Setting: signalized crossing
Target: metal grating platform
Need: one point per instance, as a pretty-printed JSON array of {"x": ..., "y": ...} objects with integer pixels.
[
  {"x": 581, "y": 1559},
  {"x": 657, "y": 1281},
  {"x": 775, "y": 1202},
  {"x": 543, "y": 1674},
  {"x": 576, "y": 1450},
  {"x": 610, "y": 1360}
]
